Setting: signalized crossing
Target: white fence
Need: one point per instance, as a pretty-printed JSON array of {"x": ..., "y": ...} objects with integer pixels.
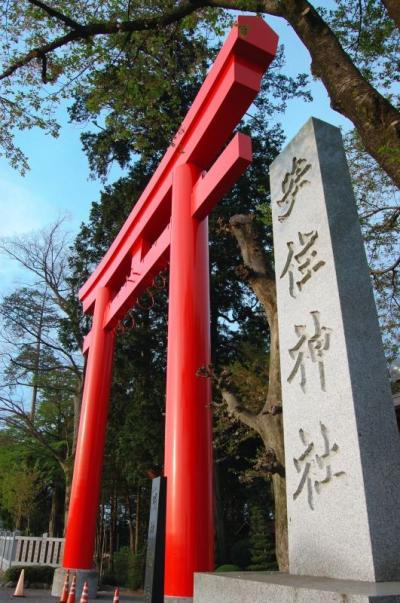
[{"x": 29, "y": 550}]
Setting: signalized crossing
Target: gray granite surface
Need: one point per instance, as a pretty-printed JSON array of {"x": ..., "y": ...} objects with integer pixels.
[
  {"x": 341, "y": 440},
  {"x": 275, "y": 587}
]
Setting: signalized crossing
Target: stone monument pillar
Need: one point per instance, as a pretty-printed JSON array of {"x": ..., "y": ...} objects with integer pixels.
[
  {"x": 341, "y": 441},
  {"x": 342, "y": 446}
]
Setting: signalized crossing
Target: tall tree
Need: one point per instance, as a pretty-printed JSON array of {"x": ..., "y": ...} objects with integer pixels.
[
  {"x": 379, "y": 210},
  {"x": 39, "y": 353},
  {"x": 75, "y": 40},
  {"x": 28, "y": 320},
  {"x": 44, "y": 255}
]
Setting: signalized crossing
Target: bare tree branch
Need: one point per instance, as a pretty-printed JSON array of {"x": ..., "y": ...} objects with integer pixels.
[
  {"x": 386, "y": 270},
  {"x": 91, "y": 30},
  {"x": 237, "y": 410},
  {"x": 56, "y": 13}
]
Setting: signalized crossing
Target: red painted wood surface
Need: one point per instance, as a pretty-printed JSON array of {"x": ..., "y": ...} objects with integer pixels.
[
  {"x": 191, "y": 178},
  {"x": 188, "y": 451},
  {"x": 82, "y": 515}
]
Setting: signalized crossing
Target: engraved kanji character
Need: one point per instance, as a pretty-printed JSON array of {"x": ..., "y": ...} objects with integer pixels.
[
  {"x": 304, "y": 261},
  {"x": 291, "y": 184},
  {"x": 310, "y": 463},
  {"x": 313, "y": 348}
]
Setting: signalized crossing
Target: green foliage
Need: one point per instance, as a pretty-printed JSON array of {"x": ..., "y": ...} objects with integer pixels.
[
  {"x": 33, "y": 574},
  {"x": 378, "y": 202},
  {"x": 135, "y": 90},
  {"x": 122, "y": 559},
  {"x": 19, "y": 482},
  {"x": 120, "y": 82},
  {"x": 40, "y": 381},
  {"x": 262, "y": 546},
  {"x": 371, "y": 38},
  {"x": 227, "y": 567},
  {"x": 128, "y": 569},
  {"x": 240, "y": 553},
  {"x": 136, "y": 571},
  {"x": 19, "y": 489},
  {"x": 108, "y": 578}
]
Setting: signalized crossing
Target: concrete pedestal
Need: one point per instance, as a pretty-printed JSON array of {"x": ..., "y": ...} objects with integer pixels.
[
  {"x": 178, "y": 599},
  {"x": 90, "y": 576},
  {"x": 276, "y": 587}
]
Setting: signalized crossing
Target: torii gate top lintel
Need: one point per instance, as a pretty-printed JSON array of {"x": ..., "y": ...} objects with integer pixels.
[{"x": 142, "y": 245}]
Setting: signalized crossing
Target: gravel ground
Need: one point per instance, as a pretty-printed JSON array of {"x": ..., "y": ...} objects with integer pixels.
[{"x": 42, "y": 596}]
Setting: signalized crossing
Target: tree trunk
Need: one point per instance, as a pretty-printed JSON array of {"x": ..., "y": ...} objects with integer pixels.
[
  {"x": 376, "y": 119},
  {"x": 56, "y": 519},
  {"x": 219, "y": 519},
  {"x": 130, "y": 520},
  {"x": 137, "y": 521},
  {"x": 68, "y": 465},
  {"x": 113, "y": 520},
  {"x": 268, "y": 422},
  {"x": 37, "y": 359},
  {"x": 77, "y": 408},
  {"x": 132, "y": 539},
  {"x": 393, "y": 8},
  {"x": 68, "y": 470},
  {"x": 53, "y": 513},
  {"x": 100, "y": 539}
]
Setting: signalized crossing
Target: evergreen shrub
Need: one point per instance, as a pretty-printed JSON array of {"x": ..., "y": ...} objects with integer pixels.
[
  {"x": 228, "y": 567},
  {"x": 136, "y": 571},
  {"x": 33, "y": 574},
  {"x": 262, "y": 546},
  {"x": 240, "y": 553},
  {"x": 108, "y": 579},
  {"x": 128, "y": 571},
  {"x": 122, "y": 559}
]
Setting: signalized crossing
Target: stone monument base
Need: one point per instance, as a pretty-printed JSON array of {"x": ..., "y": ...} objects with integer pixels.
[
  {"x": 277, "y": 587},
  {"x": 90, "y": 576}
]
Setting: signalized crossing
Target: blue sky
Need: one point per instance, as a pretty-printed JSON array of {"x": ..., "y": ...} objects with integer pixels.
[{"x": 58, "y": 182}]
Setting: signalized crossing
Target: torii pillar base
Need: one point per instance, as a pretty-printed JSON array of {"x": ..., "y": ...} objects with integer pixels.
[{"x": 89, "y": 576}]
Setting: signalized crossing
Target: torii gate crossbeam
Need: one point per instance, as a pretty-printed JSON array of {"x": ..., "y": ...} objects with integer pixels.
[{"x": 169, "y": 224}]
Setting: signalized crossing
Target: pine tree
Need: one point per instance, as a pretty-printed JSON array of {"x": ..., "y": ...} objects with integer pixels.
[{"x": 262, "y": 545}]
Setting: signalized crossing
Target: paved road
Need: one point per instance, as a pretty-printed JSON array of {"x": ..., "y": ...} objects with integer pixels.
[{"x": 44, "y": 596}]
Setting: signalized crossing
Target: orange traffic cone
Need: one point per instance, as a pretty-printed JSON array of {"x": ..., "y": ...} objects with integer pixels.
[
  {"x": 19, "y": 591},
  {"x": 85, "y": 593},
  {"x": 64, "y": 594},
  {"x": 71, "y": 594},
  {"x": 116, "y": 595}
]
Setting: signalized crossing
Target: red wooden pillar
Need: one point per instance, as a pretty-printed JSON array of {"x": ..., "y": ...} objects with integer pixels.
[
  {"x": 188, "y": 442},
  {"x": 84, "y": 501}
]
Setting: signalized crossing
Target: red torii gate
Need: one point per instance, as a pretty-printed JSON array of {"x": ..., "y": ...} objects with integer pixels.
[{"x": 169, "y": 224}]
